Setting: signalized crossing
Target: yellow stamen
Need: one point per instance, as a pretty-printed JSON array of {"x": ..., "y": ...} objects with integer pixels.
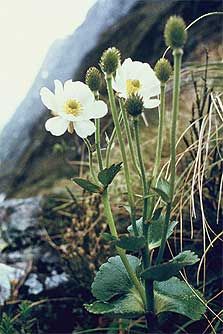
[
  {"x": 73, "y": 107},
  {"x": 132, "y": 86}
]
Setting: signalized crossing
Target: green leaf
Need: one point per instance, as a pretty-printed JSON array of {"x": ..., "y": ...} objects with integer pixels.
[
  {"x": 126, "y": 242},
  {"x": 114, "y": 290},
  {"x": 130, "y": 243},
  {"x": 127, "y": 306},
  {"x": 155, "y": 231},
  {"x": 172, "y": 295},
  {"x": 164, "y": 271},
  {"x": 107, "y": 175},
  {"x": 87, "y": 185},
  {"x": 139, "y": 227},
  {"x": 112, "y": 278},
  {"x": 117, "y": 296},
  {"x": 108, "y": 237},
  {"x": 176, "y": 296},
  {"x": 163, "y": 189},
  {"x": 157, "y": 213}
]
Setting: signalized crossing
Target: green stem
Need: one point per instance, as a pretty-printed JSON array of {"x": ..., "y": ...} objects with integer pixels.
[
  {"x": 121, "y": 252},
  {"x": 142, "y": 170},
  {"x": 177, "y": 53},
  {"x": 129, "y": 137},
  {"x": 145, "y": 250},
  {"x": 97, "y": 137},
  {"x": 88, "y": 144},
  {"x": 98, "y": 144},
  {"x": 111, "y": 140},
  {"x": 122, "y": 148},
  {"x": 160, "y": 131},
  {"x": 159, "y": 146}
]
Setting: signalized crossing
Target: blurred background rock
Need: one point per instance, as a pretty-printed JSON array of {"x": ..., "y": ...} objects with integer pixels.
[{"x": 28, "y": 165}]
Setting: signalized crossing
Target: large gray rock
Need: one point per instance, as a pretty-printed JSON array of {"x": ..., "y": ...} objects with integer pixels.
[
  {"x": 52, "y": 257},
  {"x": 24, "y": 247},
  {"x": 62, "y": 62},
  {"x": 136, "y": 27}
]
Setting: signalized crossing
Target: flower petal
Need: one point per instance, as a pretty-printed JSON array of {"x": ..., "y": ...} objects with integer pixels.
[
  {"x": 151, "y": 103},
  {"x": 84, "y": 128},
  {"x": 59, "y": 97},
  {"x": 155, "y": 89},
  {"x": 127, "y": 67},
  {"x": 48, "y": 98},
  {"x": 58, "y": 87},
  {"x": 96, "y": 109},
  {"x": 150, "y": 83},
  {"x": 78, "y": 90},
  {"x": 56, "y": 125},
  {"x": 119, "y": 83},
  {"x": 134, "y": 70}
]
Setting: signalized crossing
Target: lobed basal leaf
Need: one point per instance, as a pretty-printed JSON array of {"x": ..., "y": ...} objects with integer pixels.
[
  {"x": 112, "y": 278},
  {"x": 176, "y": 296},
  {"x": 116, "y": 295},
  {"x": 127, "y": 306}
]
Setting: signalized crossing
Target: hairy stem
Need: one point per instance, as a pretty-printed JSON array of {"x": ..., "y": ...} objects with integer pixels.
[
  {"x": 97, "y": 137},
  {"x": 145, "y": 251},
  {"x": 123, "y": 152},
  {"x": 88, "y": 144},
  {"x": 121, "y": 252},
  {"x": 159, "y": 146},
  {"x": 98, "y": 144},
  {"x": 111, "y": 141},
  {"x": 129, "y": 137},
  {"x": 177, "y": 53}
]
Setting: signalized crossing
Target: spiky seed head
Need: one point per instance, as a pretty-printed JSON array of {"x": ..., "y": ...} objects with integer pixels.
[
  {"x": 175, "y": 33},
  {"x": 110, "y": 60},
  {"x": 163, "y": 70},
  {"x": 134, "y": 105},
  {"x": 93, "y": 79}
]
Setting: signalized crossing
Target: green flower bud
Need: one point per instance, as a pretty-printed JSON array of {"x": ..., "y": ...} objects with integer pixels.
[
  {"x": 110, "y": 60},
  {"x": 175, "y": 33},
  {"x": 134, "y": 105},
  {"x": 163, "y": 70},
  {"x": 93, "y": 79}
]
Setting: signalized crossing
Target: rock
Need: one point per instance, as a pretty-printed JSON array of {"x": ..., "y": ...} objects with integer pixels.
[
  {"x": 35, "y": 286},
  {"x": 62, "y": 62},
  {"x": 136, "y": 27},
  {"x": 20, "y": 214},
  {"x": 43, "y": 269},
  {"x": 23, "y": 237},
  {"x": 8, "y": 274},
  {"x": 55, "y": 280}
]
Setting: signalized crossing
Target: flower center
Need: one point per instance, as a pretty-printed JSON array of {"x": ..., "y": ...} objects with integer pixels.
[
  {"x": 132, "y": 86},
  {"x": 73, "y": 107}
]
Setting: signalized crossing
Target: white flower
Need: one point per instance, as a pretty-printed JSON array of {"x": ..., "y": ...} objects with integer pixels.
[
  {"x": 135, "y": 77},
  {"x": 73, "y": 105}
]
